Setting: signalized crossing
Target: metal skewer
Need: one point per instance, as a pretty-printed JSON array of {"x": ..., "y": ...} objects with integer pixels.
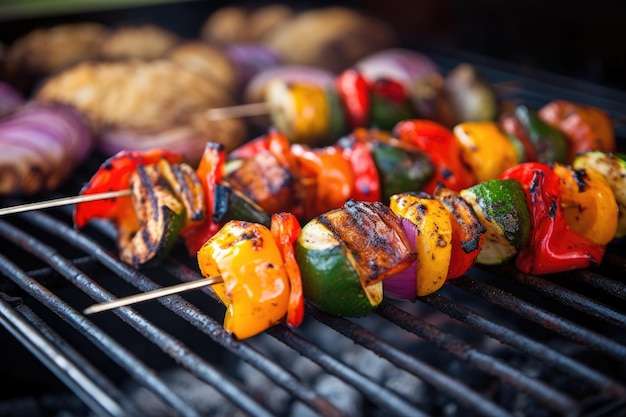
[
  {"x": 238, "y": 111},
  {"x": 151, "y": 295},
  {"x": 63, "y": 201}
]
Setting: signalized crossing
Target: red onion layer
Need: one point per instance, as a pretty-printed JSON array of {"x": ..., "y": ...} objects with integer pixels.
[
  {"x": 10, "y": 99},
  {"x": 403, "y": 286},
  {"x": 41, "y": 144}
]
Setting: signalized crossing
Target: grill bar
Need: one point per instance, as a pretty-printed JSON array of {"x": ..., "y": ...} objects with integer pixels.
[
  {"x": 386, "y": 399},
  {"x": 201, "y": 321},
  {"x": 609, "y": 286},
  {"x": 153, "y": 333},
  {"x": 454, "y": 388},
  {"x": 544, "y": 318},
  {"x": 382, "y": 396},
  {"x": 103, "y": 397},
  {"x": 615, "y": 260},
  {"x": 93, "y": 333},
  {"x": 523, "y": 343},
  {"x": 569, "y": 298},
  {"x": 544, "y": 393},
  {"x": 84, "y": 380}
]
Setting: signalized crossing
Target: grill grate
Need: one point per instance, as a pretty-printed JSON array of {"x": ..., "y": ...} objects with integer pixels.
[{"x": 493, "y": 343}]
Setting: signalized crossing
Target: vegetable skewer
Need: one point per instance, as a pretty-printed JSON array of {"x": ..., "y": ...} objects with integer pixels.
[
  {"x": 349, "y": 257},
  {"x": 423, "y": 223}
]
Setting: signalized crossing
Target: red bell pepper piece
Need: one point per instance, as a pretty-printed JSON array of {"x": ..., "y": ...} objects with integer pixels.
[
  {"x": 443, "y": 149},
  {"x": 354, "y": 92},
  {"x": 389, "y": 89},
  {"x": 285, "y": 229},
  {"x": 114, "y": 175},
  {"x": 366, "y": 178},
  {"x": 553, "y": 247},
  {"x": 210, "y": 171},
  {"x": 251, "y": 148}
]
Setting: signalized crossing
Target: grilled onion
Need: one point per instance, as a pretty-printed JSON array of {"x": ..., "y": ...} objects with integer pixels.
[
  {"x": 41, "y": 145},
  {"x": 10, "y": 99}
]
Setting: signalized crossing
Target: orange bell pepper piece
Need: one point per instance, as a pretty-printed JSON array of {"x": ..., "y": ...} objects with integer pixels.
[
  {"x": 328, "y": 178},
  {"x": 589, "y": 205},
  {"x": 255, "y": 288}
]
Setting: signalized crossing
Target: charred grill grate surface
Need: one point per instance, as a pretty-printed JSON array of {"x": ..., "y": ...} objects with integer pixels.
[{"x": 493, "y": 343}]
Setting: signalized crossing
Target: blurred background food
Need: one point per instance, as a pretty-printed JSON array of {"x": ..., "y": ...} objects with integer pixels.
[{"x": 570, "y": 38}]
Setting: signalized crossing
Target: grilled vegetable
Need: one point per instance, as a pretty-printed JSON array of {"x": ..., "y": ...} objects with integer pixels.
[
  {"x": 391, "y": 76},
  {"x": 41, "y": 145},
  {"x": 114, "y": 174},
  {"x": 10, "y": 99},
  {"x": 210, "y": 172},
  {"x": 468, "y": 233},
  {"x": 588, "y": 203},
  {"x": 353, "y": 90},
  {"x": 553, "y": 246},
  {"x": 613, "y": 168},
  {"x": 501, "y": 207},
  {"x": 345, "y": 254},
  {"x": 285, "y": 230},
  {"x": 264, "y": 180},
  {"x": 256, "y": 90},
  {"x": 471, "y": 98},
  {"x": 432, "y": 243},
  {"x": 587, "y": 128},
  {"x": 231, "y": 204},
  {"x": 328, "y": 178},
  {"x": 485, "y": 149},
  {"x": 366, "y": 179},
  {"x": 400, "y": 168},
  {"x": 255, "y": 288},
  {"x": 160, "y": 216},
  {"x": 167, "y": 199},
  {"x": 542, "y": 142},
  {"x": 442, "y": 147},
  {"x": 304, "y": 113}
]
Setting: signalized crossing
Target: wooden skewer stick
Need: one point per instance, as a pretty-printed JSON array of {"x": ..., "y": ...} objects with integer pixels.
[
  {"x": 239, "y": 111},
  {"x": 83, "y": 198},
  {"x": 151, "y": 295}
]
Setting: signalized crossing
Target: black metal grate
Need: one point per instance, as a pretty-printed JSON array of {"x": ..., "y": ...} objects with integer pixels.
[{"x": 493, "y": 343}]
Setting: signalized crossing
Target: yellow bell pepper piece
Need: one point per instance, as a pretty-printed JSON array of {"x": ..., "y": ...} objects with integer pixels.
[
  {"x": 255, "y": 290},
  {"x": 485, "y": 149},
  {"x": 433, "y": 238},
  {"x": 588, "y": 203},
  {"x": 300, "y": 111}
]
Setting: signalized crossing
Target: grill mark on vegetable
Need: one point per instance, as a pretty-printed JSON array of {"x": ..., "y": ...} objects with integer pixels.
[
  {"x": 534, "y": 186},
  {"x": 149, "y": 193},
  {"x": 253, "y": 236},
  {"x": 581, "y": 176},
  {"x": 371, "y": 237},
  {"x": 472, "y": 228},
  {"x": 186, "y": 183}
]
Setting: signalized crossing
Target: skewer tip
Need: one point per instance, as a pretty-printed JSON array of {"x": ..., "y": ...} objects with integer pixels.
[{"x": 151, "y": 295}]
